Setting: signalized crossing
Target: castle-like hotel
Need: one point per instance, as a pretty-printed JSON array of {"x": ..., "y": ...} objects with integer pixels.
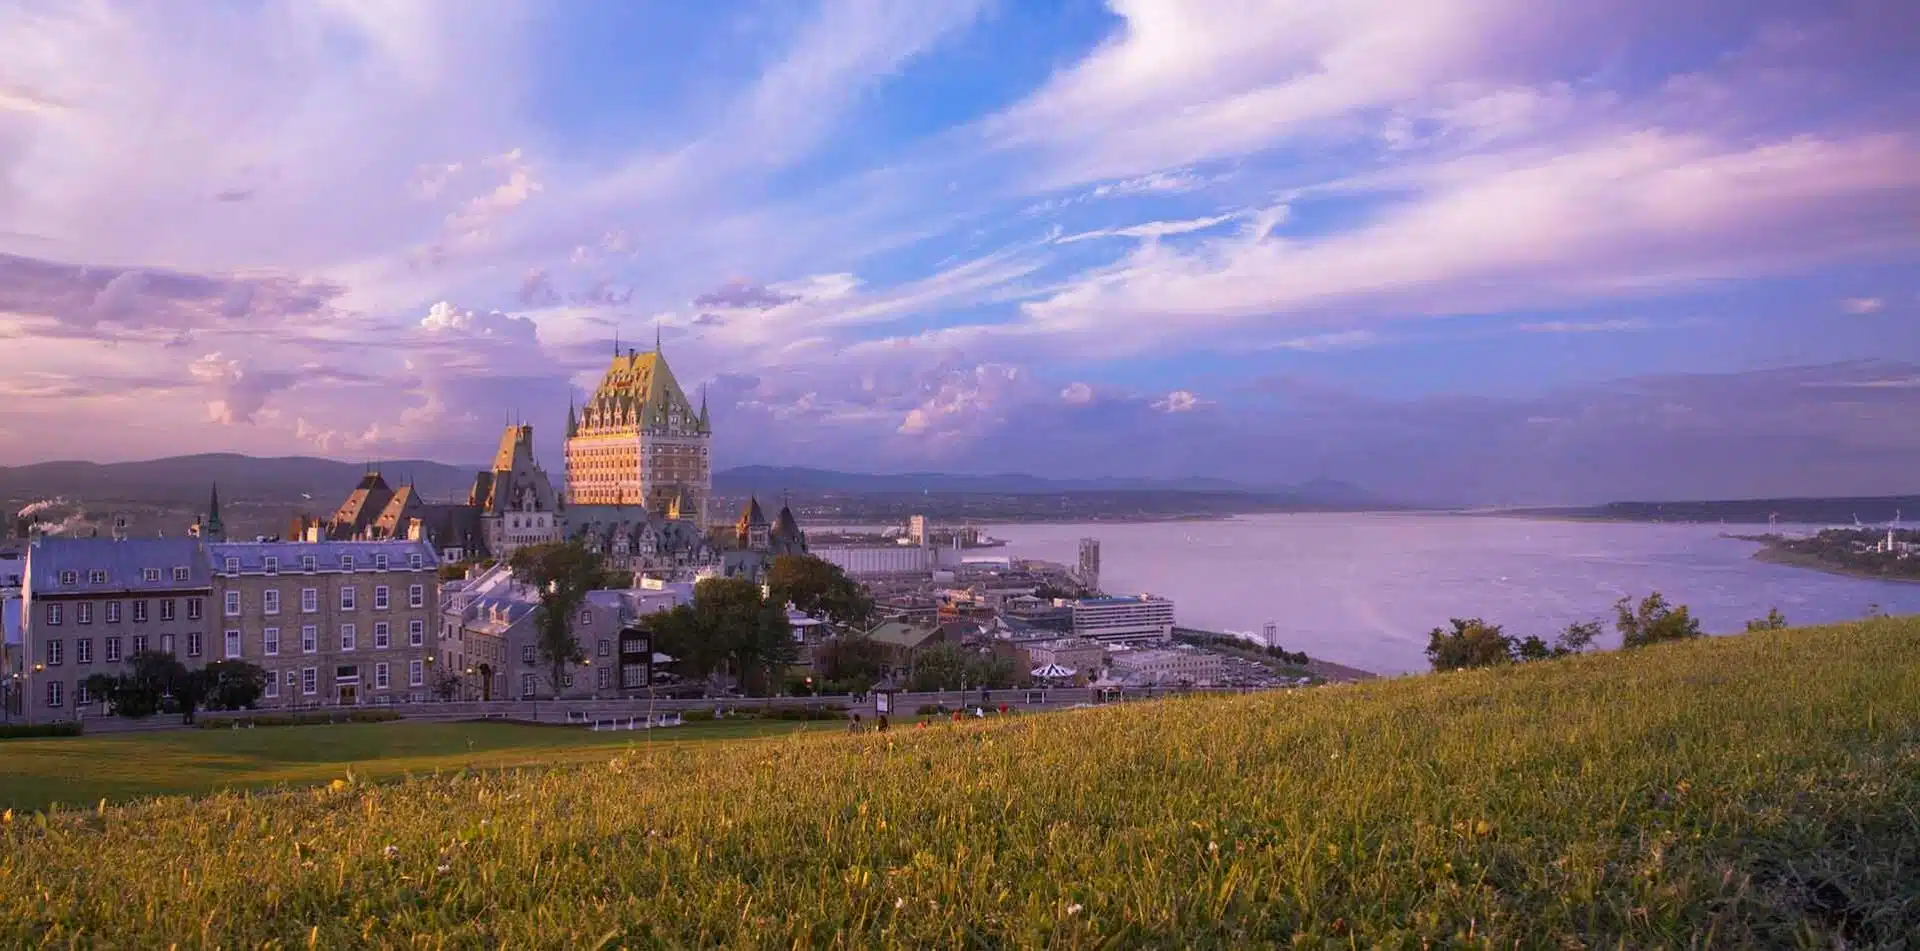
[{"x": 639, "y": 490}]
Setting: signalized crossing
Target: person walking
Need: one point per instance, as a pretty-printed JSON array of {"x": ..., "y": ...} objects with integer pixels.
[{"x": 853, "y": 725}]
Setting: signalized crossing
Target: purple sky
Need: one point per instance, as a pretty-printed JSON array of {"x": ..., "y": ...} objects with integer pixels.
[{"x": 1486, "y": 249}]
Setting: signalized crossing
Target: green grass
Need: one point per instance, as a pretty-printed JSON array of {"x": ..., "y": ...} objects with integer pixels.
[
  {"x": 1757, "y": 791},
  {"x": 37, "y": 773}
]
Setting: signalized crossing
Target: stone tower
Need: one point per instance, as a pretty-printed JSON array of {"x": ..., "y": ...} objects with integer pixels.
[{"x": 639, "y": 441}]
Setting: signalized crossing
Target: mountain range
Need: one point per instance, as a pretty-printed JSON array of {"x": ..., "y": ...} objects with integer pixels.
[{"x": 187, "y": 479}]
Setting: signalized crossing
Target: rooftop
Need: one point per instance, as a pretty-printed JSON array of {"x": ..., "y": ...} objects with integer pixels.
[{"x": 108, "y": 565}]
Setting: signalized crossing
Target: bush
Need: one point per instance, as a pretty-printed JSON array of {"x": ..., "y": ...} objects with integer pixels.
[
  {"x": 303, "y": 718},
  {"x": 697, "y": 716},
  {"x": 832, "y": 711},
  {"x": 23, "y": 731},
  {"x": 930, "y": 710}
]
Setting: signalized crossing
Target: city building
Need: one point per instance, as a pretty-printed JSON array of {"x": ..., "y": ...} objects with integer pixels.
[
  {"x": 917, "y": 530},
  {"x": 758, "y": 542},
  {"x": 639, "y": 442},
  {"x": 900, "y": 643},
  {"x": 1039, "y": 613},
  {"x": 517, "y": 504},
  {"x": 332, "y": 622},
  {"x": 1088, "y": 572},
  {"x": 1086, "y": 658},
  {"x": 90, "y": 604},
  {"x": 1167, "y": 666},
  {"x": 1123, "y": 619},
  {"x": 877, "y": 561},
  {"x": 209, "y": 527}
]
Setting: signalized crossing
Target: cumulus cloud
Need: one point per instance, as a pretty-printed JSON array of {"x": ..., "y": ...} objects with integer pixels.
[
  {"x": 445, "y": 319},
  {"x": 1078, "y": 394},
  {"x": 1179, "y": 401}
]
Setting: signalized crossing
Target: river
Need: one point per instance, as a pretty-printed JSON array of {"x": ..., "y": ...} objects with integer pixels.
[{"x": 1364, "y": 590}]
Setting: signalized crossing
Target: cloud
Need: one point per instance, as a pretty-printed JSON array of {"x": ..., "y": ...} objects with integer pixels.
[
  {"x": 1862, "y": 305},
  {"x": 447, "y": 320},
  {"x": 537, "y": 290},
  {"x": 1179, "y": 401},
  {"x": 1615, "y": 325},
  {"x": 1340, "y": 340},
  {"x": 742, "y": 293},
  {"x": 1077, "y": 394},
  {"x": 1149, "y": 230}
]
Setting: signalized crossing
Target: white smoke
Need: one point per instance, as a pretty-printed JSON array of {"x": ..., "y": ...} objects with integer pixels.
[{"x": 41, "y": 505}]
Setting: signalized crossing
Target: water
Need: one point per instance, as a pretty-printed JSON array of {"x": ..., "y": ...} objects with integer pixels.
[{"x": 1364, "y": 590}]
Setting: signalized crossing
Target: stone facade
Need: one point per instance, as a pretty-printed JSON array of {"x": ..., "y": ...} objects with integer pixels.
[
  {"x": 492, "y": 616},
  {"x": 639, "y": 442},
  {"x": 332, "y": 623}
]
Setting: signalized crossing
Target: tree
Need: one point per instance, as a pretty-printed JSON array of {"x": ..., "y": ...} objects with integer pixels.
[
  {"x": 562, "y": 573},
  {"x": 819, "y": 587},
  {"x": 231, "y": 684},
  {"x": 447, "y": 686},
  {"x": 728, "y": 627},
  {"x": 852, "y": 661},
  {"x": 940, "y": 667},
  {"x": 679, "y": 634},
  {"x": 1653, "y": 621},
  {"x": 1577, "y": 637},
  {"x": 1774, "y": 621},
  {"x": 616, "y": 578},
  {"x": 1472, "y": 643},
  {"x": 1531, "y": 649}
]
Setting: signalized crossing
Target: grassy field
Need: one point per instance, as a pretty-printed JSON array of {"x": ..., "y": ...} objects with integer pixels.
[
  {"x": 37, "y": 773},
  {"x": 1749, "y": 791}
]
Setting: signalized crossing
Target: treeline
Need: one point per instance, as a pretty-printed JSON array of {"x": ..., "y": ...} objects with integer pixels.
[
  {"x": 1475, "y": 642},
  {"x": 1242, "y": 645}
]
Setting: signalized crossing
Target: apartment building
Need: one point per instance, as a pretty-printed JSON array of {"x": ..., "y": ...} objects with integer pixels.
[
  {"x": 1123, "y": 620},
  {"x": 332, "y": 622},
  {"x": 488, "y": 622},
  {"x": 91, "y": 603}
]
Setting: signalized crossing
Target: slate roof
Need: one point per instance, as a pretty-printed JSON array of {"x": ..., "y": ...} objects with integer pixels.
[
  {"x": 328, "y": 555},
  {"x": 125, "y": 562}
]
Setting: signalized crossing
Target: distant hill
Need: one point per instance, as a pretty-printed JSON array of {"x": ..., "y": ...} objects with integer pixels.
[
  {"x": 769, "y": 480},
  {"x": 186, "y": 479},
  {"x": 1812, "y": 511}
]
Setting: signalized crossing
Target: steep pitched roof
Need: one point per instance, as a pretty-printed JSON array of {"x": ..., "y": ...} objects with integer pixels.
[{"x": 644, "y": 382}]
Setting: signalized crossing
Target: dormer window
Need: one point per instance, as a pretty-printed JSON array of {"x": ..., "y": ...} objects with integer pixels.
[
  {"x": 150, "y": 575},
  {"x": 379, "y": 562},
  {"x": 180, "y": 573},
  {"x": 69, "y": 578},
  {"x": 346, "y": 562},
  {"x": 233, "y": 565},
  {"x": 271, "y": 564},
  {"x": 97, "y": 576},
  {"x": 308, "y": 563},
  {"x": 414, "y": 562}
]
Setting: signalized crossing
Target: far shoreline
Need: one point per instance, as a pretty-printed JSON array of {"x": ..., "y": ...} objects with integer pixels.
[{"x": 1775, "y": 555}]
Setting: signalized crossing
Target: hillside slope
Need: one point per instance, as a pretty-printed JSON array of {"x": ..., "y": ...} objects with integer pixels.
[{"x": 1737, "y": 792}]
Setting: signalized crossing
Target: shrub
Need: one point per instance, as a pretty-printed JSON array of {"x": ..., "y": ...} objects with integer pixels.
[
  {"x": 23, "y": 731},
  {"x": 930, "y": 710},
  {"x": 697, "y": 716},
  {"x": 299, "y": 718},
  {"x": 828, "y": 712}
]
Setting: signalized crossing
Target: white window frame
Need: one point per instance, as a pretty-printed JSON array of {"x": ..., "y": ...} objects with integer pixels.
[
  {"x": 309, "y": 639},
  {"x": 193, "y": 609},
  {"x": 180, "y": 573},
  {"x": 349, "y": 638},
  {"x": 167, "y": 645},
  {"x": 415, "y": 562},
  {"x": 270, "y": 601},
  {"x": 382, "y": 635},
  {"x": 349, "y": 598},
  {"x": 54, "y": 652},
  {"x": 69, "y": 578},
  {"x": 309, "y": 564},
  {"x": 605, "y": 675},
  {"x": 233, "y": 565},
  {"x": 139, "y": 644},
  {"x": 83, "y": 613},
  {"x": 195, "y": 644},
  {"x": 83, "y": 650},
  {"x": 113, "y": 612},
  {"x": 416, "y": 673},
  {"x": 309, "y": 681},
  {"x": 232, "y": 603},
  {"x": 346, "y": 562},
  {"x": 270, "y": 564},
  {"x": 417, "y": 596},
  {"x": 140, "y": 612},
  {"x": 382, "y": 597},
  {"x": 528, "y": 655},
  {"x": 233, "y": 644},
  {"x": 80, "y": 695},
  {"x": 152, "y": 575},
  {"x": 529, "y": 685},
  {"x": 111, "y": 654},
  {"x": 56, "y": 693},
  {"x": 380, "y": 562},
  {"x": 382, "y": 678},
  {"x": 97, "y": 576},
  {"x": 309, "y": 600},
  {"x": 56, "y": 614},
  {"x": 273, "y": 685},
  {"x": 270, "y": 642},
  {"x": 416, "y": 633},
  {"x": 168, "y": 610}
]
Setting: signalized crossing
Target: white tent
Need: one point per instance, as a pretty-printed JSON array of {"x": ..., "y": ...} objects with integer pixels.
[{"x": 1053, "y": 672}]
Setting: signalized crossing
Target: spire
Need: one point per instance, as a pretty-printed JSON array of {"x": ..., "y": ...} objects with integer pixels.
[
  {"x": 703, "y": 407},
  {"x": 573, "y": 424},
  {"x": 214, "y": 530},
  {"x": 656, "y": 336},
  {"x": 616, "y": 343}
]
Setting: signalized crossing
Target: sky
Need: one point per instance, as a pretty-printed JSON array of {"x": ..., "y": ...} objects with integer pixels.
[{"x": 1461, "y": 250}]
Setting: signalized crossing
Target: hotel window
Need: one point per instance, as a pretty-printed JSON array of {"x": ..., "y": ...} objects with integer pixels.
[
  {"x": 55, "y": 689},
  {"x": 380, "y": 677},
  {"x": 113, "y": 612},
  {"x": 309, "y": 639},
  {"x": 382, "y": 597},
  {"x": 83, "y": 651},
  {"x": 270, "y": 601},
  {"x": 83, "y": 612},
  {"x": 346, "y": 637},
  {"x": 139, "y": 612},
  {"x": 193, "y": 643},
  {"x": 526, "y": 654},
  {"x": 416, "y": 673},
  {"x": 417, "y": 596},
  {"x": 139, "y": 643},
  {"x": 69, "y": 578},
  {"x": 270, "y": 642},
  {"x": 233, "y": 565},
  {"x": 96, "y": 576},
  {"x": 195, "y": 607},
  {"x": 308, "y": 563},
  {"x": 233, "y": 644},
  {"x": 309, "y": 600},
  {"x": 180, "y": 573},
  {"x": 381, "y": 638},
  {"x": 273, "y": 686},
  {"x": 346, "y": 562},
  {"x": 416, "y": 633},
  {"x": 166, "y": 643},
  {"x": 166, "y": 609},
  {"x": 53, "y": 652},
  {"x": 233, "y": 604},
  {"x": 347, "y": 598},
  {"x": 309, "y": 680},
  {"x": 379, "y": 562},
  {"x": 56, "y": 613},
  {"x": 271, "y": 564},
  {"x": 113, "y": 650}
]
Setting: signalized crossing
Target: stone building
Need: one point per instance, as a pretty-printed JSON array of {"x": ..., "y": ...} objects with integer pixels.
[
  {"x": 757, "y": 541},
  {"x": 333, "y": 623},
  {"x": 489, "y": 624},
  {"x": 639, "y": 442},
  {"x": 90, "y": 604}
]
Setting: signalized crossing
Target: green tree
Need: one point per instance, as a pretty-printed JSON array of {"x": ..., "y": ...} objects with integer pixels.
[
  {"x": 231, "y": 684},
  {"x": 1472, "y": 643},
  {"x": 729, "y": 627},
  {"x": 562, "y": 574},
  {"x": 1774, "y": 621},
  {"x": 941, "y": 667},
  {"x": 679, "y": 634},
  {"x": 1577, "y": 637},
  {"x": 851, "y": 661},
  {"x": 1532, "y": 648},
  {"x": 820, "y": 588},
  {"x": 1653, "y": 621}
]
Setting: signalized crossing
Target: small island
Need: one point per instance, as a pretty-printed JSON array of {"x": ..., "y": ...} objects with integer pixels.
[{"x": 1882, "y": 554}]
